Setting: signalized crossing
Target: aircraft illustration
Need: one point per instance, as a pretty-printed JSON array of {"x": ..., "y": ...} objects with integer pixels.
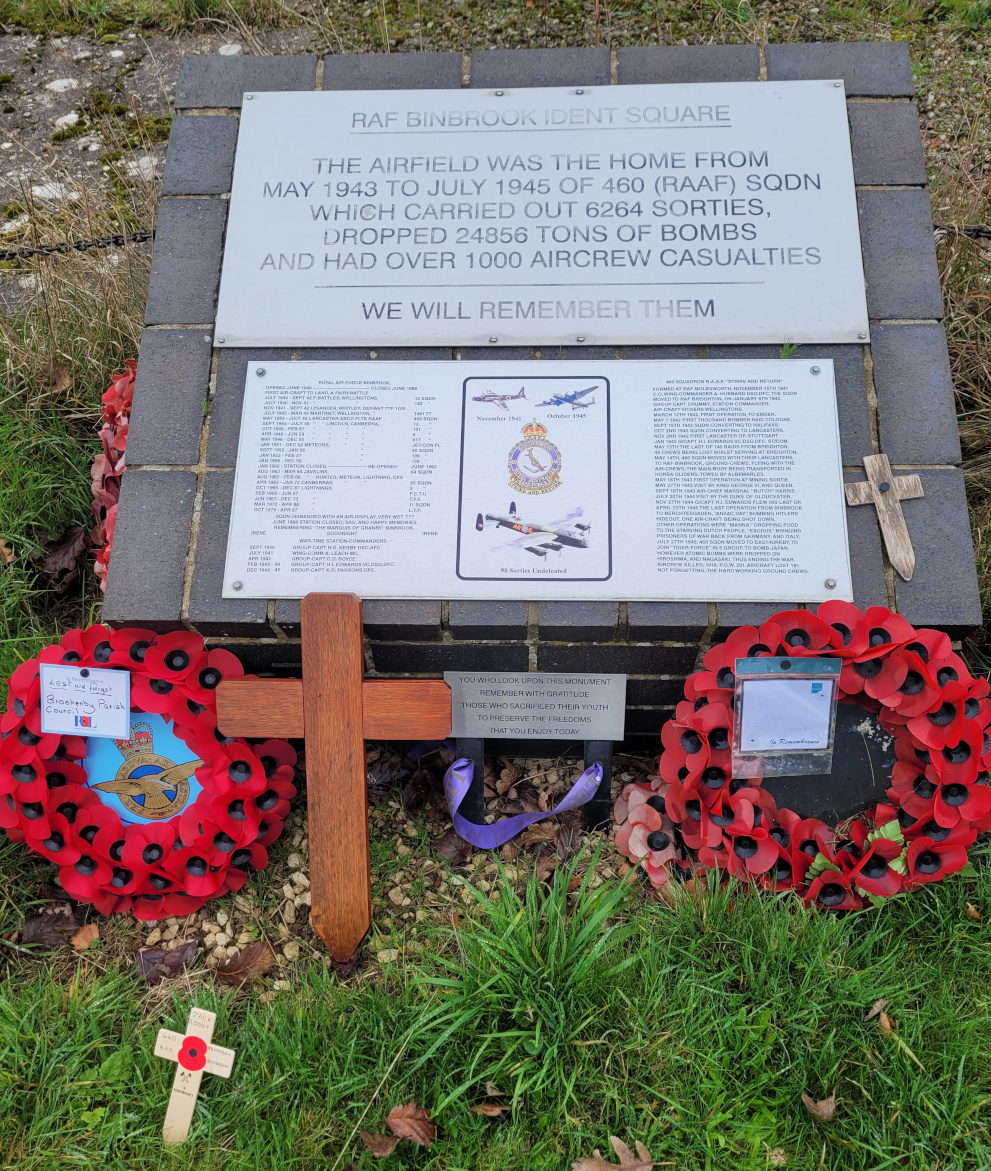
[
  {"x": 576, "y": 537},
  {"x": 572, "y": 400},
  {"x": 500, "y": 400}
]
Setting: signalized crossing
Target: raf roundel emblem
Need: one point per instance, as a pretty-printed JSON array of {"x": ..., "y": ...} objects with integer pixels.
[{"x": 534, "y": 462}]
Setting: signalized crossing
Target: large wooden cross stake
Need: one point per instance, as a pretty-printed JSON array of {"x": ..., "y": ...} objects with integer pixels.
[
  {"x": 336, "y": 709},
  {"x": 886, "y": 492}
]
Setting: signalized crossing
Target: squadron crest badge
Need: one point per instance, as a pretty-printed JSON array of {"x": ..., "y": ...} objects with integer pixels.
[
  {"x": 149, "y": 786},
  {"x": 534, "y": 462}
]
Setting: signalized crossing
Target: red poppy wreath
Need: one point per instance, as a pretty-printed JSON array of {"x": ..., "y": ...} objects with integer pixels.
[
  {"x": 163, "y": 820},
  {"x": 694, "y": 815}
]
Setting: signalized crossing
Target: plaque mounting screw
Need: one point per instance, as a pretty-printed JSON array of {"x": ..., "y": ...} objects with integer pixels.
[
  {"x": 373, "y": 353},
  {"x": 836, "y": 85},
  {"x": 237, "y": 585},
  {"x": 84, "y": 673},
  {"x": 579, "y": 91},
  {"x": 493, "y": 340},
  {"x": 260, "y": 371},
  {"x": 862, "y": 336},
  {"x": 248, "y": 97},
  {"x": 499, "y": 93},
  {"x": 580, "y": 338},
  {"x": 829, "y": 583},
  {"x": 814, "y": 369},
  {"x": 221, "y": 340},
  {"x": 884, "y": 486}
]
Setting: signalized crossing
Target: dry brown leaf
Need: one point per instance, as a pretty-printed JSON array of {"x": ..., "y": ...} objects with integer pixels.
[
  {"x": 972, "y": 912},
  {"x": 60, "y": 563},
  {"x": 87, "y": 934},
  {"x": 823, "y": 1110},
  {"x": 59, "y": 377},
  {"x": 545, "y": 868},
  {"x": 885, "y": 1024},
  {"x": 158, "y": 963},
  {"x": 488, "y": 1109},
  {"x": 52, "y": 926},
  {"x": 7, "y": 555},
  {"x": 878, "y": 1006},
  {"x": 628, "y": 1161},
  {"x": 413, "y": 1123},
  {"x": 453, "y": 847},
  {"x": 493, "y": 1091},
  {"x": 254, "y": 960},
  {"x": 537, "y": 835},
  {"x": 381, "y": 1145}
]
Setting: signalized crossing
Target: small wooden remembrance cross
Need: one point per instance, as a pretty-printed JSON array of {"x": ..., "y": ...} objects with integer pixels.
[
  {"x": 194, "y": 1056},
  {"x": 886, "y": 492},
  {"x": 336, "y": 709}
]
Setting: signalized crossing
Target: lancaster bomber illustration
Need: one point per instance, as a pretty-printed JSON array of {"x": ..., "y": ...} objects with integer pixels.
[
  {"x": 500, "y": 400},
  {"x": 531, "y": 534},
  {"x": 573, "y": 399}
]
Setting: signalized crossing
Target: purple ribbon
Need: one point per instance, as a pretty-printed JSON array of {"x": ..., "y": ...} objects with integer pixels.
[{"x": 457, "y": 781}]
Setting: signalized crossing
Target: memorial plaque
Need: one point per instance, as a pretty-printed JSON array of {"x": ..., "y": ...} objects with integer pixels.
[
  {"x": 601, "y": 480},
  {"x": 651, "y": 213},
  {"x": 534, "y": 703}
]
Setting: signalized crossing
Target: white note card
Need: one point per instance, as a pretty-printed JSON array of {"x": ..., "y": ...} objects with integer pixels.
[
  {"x": 85, "y": 701},
  {"x": 785, "y": 715}
]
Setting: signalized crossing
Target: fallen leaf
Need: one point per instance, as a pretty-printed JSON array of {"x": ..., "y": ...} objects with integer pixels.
[
  {"x": 7, "y": 555},
  {"x": 823, "y": 1110},
  {"x": 545, "y": 868},
  {"x": 488, "y": 1109},
  {"x": 51, "y": 927},
  {"x": 628, "y": 1161},
  {"x": 885, "y": 1023},
  {"x": 59, "y": 377},
  {"x": 158, "y": 963},
  {"x": 346, "y": 970},
  {"x": 878, "y": 1006},
  {"x": 87, "y": 934},
  {"x": 413, "y": 1123},
  {"x": 537, "y": 835},
  {"x": 60, "y": 563},
  {"x": 384, "y": 773},
  {"x": 381, "y": 1145},
  {"x": 566, "y": 839},
  {"x": 493, "y": 1091},
  {"x": 254, "y": 960},
  {"x": 452, "y": 846},
  {"x": 973, "y": 913}
]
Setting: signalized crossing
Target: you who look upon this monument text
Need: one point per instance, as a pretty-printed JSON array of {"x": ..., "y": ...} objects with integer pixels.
[{"x": 676, "y": 213}]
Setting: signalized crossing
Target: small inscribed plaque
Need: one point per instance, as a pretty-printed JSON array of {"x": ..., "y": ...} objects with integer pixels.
[
  {"x": 657, "y": 214},
  {"x": 546, "y": 480},
  {"x": 489, "y": 704},
  {"x": 782, "y": 715},
  {"x": 85, "y": 701}
]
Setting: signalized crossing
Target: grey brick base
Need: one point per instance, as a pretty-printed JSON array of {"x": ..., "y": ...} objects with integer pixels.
[{"x": 894, "y": 395}]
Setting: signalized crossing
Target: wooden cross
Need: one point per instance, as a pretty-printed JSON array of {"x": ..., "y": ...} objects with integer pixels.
[
  {"x": 194, "y": 1056},
  {"x": 886, "y": 492},
  {"x": 336, "y": 709}
]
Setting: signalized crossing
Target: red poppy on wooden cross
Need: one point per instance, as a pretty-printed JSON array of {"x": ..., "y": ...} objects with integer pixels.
[
  {"x": 195, "y": 1056},
  {"x": 336, "y": 709}
]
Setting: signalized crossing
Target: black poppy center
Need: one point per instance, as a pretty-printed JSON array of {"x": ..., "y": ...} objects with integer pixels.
[
  {"x": 914, "y": 683},
  {"x": 656, "y": 802},
  {"x": 923, "y": 755},
  {"x": 831, "y": 894},
  {"x": 152, "y": 853},
  {"x": 32, "y": 810},
  {"x": 714, "y": 777},
  {"x": 869, "y": 670},
  {"x": 209, "y": 678},
  {"x": 88, "y": 833},
  {"x": 701, "y": 702},
  {"x": 719, "y": 739},
  {"x": 693, "y": 810},
  {"x": 798, "y": 637},
  {"x": 115, "y": 850},
  {"x": 744, "y": 847},
  {"x": 918, "y": 649},
  {"x": 782, "y": 872},
  {"x": 958, "y": 753},
  {"x": 923, "y": 787},
  {"x": 240, "y": 858},
  {"x": 946, "y": 675},
  {"x": 101, "y": 652},
  {"x": 71, "y": 657},
  {"x": 177, "y": 660},
  {"x": 844, "y": 631},
  {"x": 86, "y": 866},
  {"x": 239, "y": 770},
  {"x": 197, "y": 867},
  {"x": 25, "y": 773},
  {"x": 725, "y": 677},
  {"x": 954, "y": 794},
  {"x": 928, "y": 862},
  {"x": 55, "y": 843},
  {"x": 944, "y": 715},
  {"x": 878, "y": 636},
  {"x": 19, "y": 708},
  {"x": 738, "y": 783},
  {"x": 68, "y": 811},
  {"x": 658, "y": 840},
  {"x": 875, "y": 867},
  {"x": 236, "y": 811},
  {"x": 159, "y": 881},
  {"x": 267, "y": 800},
  {"x": 780, "y": 835},
  {"x": 810, "y": 846},
  {"x": 160, "y": 686},
  {"x": 223, "y": 842},
  {"x": 723, "y": 817},
  {"x": 937, "y": 832},
  {"x": 905, "y": 819},
  {"x": 27, "y": 737},
  {"x": 691, "y": 742},
  {"x": 971, "y": 708},
  {"x": 121, "y": 877},
  {"x": 138, "y": 649}
]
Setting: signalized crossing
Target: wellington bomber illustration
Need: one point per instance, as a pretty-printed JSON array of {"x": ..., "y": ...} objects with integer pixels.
[
  {"x": 574, "y": 399},
  {"x": 502, "y": 401},
  {"x": 530, "y": 535}
]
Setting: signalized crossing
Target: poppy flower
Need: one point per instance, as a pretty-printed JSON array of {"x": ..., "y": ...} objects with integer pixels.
[
  {"x": 833, "y": 891},
  {"x": 203, "y": 681},
  {"x": 904, "y": 683},
  {"x": 69, "y": 649},
  {"x": 752, "y": 642},
  {"x": 276, "y": 756},
  {"x": 751, "y": 853},
  {"x": 951, "y": 668},
  {"x": 963, "y": 833},
  {"x": 956, "y": 801},
  {"x": 24, "y": 686},
  {"x": 193, "y": 871},
  {"x": 255, "y": 856},
  {"x": 809, "y": 838},
  {"x": 129, "y": 646},
  {"x": 96, "y": 646},
  {"x": 60, "y": 846},
  {"x": 943, "y": 724},
  {"x": 804, "y": 633},
  {"x": 849, "y": 624},
  {"x": 914, "y": 787},
  {"x": 961, "y": 760},
  {"x": 875, "y": 873},
  {"x": 929, "y": 861},
  {"x": 149, "y": 694},
  {"x": 85, "y": 877},
  {"x": 25, "y": 778},
  {"x": 173, "y": 656},
  {"x": 147, "y": 844}
]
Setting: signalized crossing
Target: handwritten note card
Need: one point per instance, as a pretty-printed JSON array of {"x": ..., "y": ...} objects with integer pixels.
[{"x": 85, "y": 701}]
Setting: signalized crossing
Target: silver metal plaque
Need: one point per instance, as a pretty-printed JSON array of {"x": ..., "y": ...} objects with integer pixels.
[
  {"x": 498, "y": 703},
  {"x": 656, "y": 214},
  {"x": 708, "y": 480}
]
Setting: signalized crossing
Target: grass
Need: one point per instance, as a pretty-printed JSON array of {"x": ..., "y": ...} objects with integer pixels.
[{"x": 694, "y": 1030}]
